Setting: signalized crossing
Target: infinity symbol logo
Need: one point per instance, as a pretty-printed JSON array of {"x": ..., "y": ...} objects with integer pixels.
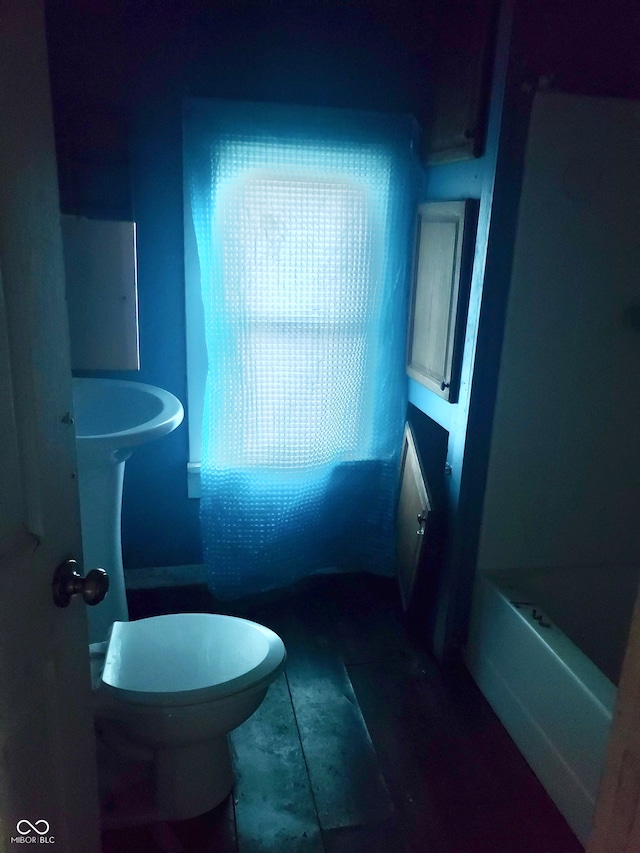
[{"x": 32, "y": 827}]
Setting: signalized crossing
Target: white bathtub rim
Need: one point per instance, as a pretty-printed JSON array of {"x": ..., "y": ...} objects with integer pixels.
[
  {"x": 555, "y": 773},
  {"x": 581, "y": 669},
  {"x": 570, "y": 774}
]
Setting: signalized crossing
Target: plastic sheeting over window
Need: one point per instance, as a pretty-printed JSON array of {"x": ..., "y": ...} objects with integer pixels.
[{"x": 303, "y": 222}]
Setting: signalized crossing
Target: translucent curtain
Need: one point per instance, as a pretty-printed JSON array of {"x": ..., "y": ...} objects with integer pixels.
[{"x": 303, "y": 222}]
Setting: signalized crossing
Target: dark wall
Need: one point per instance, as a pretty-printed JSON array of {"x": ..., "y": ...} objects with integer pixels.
[
  {"x": 587, "y": 47},
  {"x": 110, "y": 59}
]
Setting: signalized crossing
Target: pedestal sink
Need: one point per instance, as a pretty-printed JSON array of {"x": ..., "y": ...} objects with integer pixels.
[{"x": 112, "y": 417}]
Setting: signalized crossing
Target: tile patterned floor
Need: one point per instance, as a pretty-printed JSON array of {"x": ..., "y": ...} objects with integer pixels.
[{"x": 362, "y": 745}]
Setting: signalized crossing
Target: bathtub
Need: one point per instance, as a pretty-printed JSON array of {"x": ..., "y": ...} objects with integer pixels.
[{"x": 545, "y": 647}]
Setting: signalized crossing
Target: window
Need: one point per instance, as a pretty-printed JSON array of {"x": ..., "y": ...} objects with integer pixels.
[{"x": 300, "y": 232}]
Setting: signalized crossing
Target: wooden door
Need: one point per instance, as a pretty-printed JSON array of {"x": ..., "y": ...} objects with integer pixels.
[
  {"x": 48, "y": 786},
  {"x": 616, "y": 825},
  {"x": 412, "y": 521}
]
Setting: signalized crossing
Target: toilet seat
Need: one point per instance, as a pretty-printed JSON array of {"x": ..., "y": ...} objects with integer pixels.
[{"x": 187, "y": 659}]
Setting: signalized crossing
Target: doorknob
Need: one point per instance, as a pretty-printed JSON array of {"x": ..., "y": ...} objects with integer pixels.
[
  {"x": 67, "y": 582},
  {"x": 422, "y": 518}
]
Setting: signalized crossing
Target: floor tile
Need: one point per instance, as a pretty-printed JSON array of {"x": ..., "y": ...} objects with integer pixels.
[
  {"x": 363, "y": 619},
  {"x": 274, "y": 806},
  {"x": 348, "y": 786}
]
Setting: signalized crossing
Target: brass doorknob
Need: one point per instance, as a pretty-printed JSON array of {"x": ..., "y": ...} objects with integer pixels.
[{"x": 67, "y": 582}]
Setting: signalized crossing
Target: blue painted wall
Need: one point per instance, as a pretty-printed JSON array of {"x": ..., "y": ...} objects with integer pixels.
[{"x": 369, "y": 60}]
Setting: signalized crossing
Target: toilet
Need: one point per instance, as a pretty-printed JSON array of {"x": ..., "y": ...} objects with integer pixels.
[{"x": 168, "y": 689}]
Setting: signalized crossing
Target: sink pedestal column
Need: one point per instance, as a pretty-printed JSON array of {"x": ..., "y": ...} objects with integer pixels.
[
  {"x": 100, "y": 485},
  {"x": 112, "y": 418}
]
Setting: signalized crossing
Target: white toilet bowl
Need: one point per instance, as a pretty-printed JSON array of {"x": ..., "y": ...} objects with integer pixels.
[{"x": 170, "y": 690}]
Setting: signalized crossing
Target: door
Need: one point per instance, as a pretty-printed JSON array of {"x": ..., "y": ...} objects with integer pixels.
[
  {"x": 413, "y": 517},
  {"x": 48, "y": 786},
  {"x": 616, "y": 825}
]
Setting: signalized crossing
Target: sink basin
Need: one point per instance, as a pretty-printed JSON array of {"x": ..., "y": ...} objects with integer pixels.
[{"x": 115, "y": 414}]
